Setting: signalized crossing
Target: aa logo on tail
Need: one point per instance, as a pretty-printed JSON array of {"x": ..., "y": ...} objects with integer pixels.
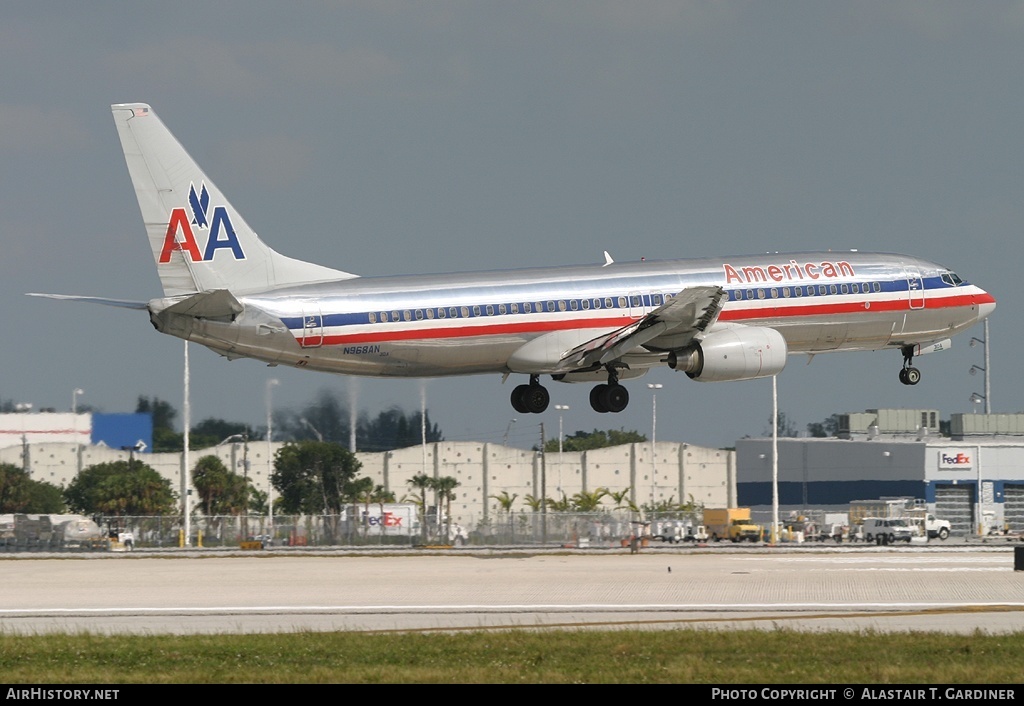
[{"x": 180, "y": 234}]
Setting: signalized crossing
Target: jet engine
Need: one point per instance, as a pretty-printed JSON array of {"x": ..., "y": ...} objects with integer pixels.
[{"x": 733, "y": 353}]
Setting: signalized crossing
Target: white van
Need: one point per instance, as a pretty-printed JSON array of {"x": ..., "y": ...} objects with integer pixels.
[{"x": 889, "y": 530}]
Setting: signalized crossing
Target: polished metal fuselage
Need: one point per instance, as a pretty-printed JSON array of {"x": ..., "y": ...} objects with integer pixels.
[{"x": 466, "y": 323}]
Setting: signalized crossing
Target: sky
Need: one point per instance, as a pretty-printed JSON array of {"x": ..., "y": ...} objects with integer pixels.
[{"x": 407, "y": 137}]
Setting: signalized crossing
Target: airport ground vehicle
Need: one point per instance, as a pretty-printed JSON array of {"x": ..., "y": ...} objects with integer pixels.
[
  {"x": 888, "y": 530},
  {"x": 910, "y": 509},
  {"x": 732, "y": 523}
]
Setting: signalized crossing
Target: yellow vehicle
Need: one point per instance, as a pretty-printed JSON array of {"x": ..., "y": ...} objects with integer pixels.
[{"x": 731, "y": 523}]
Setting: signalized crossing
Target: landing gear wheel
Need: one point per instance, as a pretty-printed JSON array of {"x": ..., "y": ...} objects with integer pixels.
[
  {"x": 912, "y": 376},
  {"x": 615, "y": 398},
  {"x": 597, "y": 398},
  {"x": 536, "y": 399},
  {"x": 530, "y": 399},
  {"x": 903, "y": 376},
  {"x": 518, "y": 394}
]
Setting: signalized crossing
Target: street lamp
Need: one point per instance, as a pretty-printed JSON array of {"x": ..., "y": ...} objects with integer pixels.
[
  {"x": 976, "y": 399},
  {"x": 319, "y": 436},
  {"x": 270, "y": 461},
  {"x": 561, "y": 408},
  {"x": 975, "y": 368},
  {"x": 74, "y": 399},
  {"x": 654, "y": 387}
]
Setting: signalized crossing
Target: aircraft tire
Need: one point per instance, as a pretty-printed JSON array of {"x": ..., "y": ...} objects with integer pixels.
[
  {"x": 597, "y": 399},
  {"x": 913, "y": 376},
  {"x": 536, "y": 399},
  {"x": 615, "y": 398},
  {"x": 518, "y": 398}
]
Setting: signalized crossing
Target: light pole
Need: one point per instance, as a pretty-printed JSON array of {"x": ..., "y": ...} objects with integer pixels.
[
  {"x": 270, "y": 461},
  {"x": 654, "y": 387},
  {"x": 74, "y": 399},
  {"x": 975, "y": 368},
  {"x": 319, "y": 436},
  {"x": 561, "y": 408}
]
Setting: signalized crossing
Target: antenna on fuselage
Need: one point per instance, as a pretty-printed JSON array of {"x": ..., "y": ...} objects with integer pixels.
[{"x": 607, "y": 259}]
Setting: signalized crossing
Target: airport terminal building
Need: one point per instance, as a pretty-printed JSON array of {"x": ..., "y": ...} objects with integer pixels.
[{"x": 974, "y": 477}]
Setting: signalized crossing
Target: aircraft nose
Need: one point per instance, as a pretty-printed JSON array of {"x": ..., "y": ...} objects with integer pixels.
[{"x": 986, "y": 305}]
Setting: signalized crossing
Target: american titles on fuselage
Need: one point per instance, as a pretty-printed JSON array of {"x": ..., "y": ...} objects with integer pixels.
[{"x": 790, "y": 272}]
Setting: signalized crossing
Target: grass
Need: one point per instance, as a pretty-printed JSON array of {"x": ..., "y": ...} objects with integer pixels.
[{"x": 585, "y": 656}]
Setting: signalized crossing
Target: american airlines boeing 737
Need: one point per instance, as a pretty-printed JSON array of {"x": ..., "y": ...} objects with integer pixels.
[{"x": 715, "y": 319}]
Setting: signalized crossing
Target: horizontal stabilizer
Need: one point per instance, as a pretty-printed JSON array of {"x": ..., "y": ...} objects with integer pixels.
[{"x": 123, "y": 303}]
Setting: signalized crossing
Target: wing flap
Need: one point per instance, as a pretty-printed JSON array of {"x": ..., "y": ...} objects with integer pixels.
[{"x": 680, "y": 319}]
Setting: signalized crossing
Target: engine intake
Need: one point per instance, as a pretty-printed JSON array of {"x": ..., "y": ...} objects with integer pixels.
[{"x": 735, "y": 353}]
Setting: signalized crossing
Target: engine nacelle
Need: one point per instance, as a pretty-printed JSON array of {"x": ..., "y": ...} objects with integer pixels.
[{"x": 734, "y": 353}]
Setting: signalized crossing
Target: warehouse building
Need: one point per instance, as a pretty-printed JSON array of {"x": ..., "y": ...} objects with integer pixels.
[{"x": 974, "y": 478}]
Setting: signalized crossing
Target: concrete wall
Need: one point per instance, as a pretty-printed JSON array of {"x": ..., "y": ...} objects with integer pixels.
[{"x": 483, "y": 470}]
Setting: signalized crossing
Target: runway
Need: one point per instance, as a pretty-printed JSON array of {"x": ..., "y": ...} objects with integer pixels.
[{"x": 882, "y": 589}]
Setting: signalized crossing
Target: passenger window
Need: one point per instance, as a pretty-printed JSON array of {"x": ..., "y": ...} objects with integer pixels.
[
  {"x": 608, "y": 303},
  {"x": 384, "y": 317},
  {"x": 441, "y": 313},
  {"x": 476, "y": 310},
  {"x": 373, "y": 318},
  {"x": 586, "y": 304},
  {"x": 407, "y": 315},
  {"x": 465, "y": 312},
  {"x": 526, "y": 307},
  {"x": 430, "y": 313},
  {"x": 551, "y": 306},
  {"x": 419, "y": 314},
  {"x": 515, "y": 309},
  {"x": 574, "y": 304},
  {"x": 490, "y": 310},
  {"x": 561, "y": 305}
]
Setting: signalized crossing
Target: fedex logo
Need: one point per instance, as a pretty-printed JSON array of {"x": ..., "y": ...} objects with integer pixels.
[
  {"x": 388, "y": 519},
  {"x": 181, "y": 236},
  {"x": 957, "y": 461}
]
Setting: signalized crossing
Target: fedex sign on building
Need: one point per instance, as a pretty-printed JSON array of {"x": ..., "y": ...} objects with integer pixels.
[{"x": 953, "y": 460}]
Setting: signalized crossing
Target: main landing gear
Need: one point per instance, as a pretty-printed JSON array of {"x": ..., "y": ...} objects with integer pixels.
[
  {"x": 612, "y": 397},
  {"x": 909, "y": 375},
  {"x": 534, "y": 397}
]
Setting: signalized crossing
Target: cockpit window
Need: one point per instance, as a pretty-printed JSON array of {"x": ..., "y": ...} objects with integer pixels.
[{"x": 952, "y": 279}]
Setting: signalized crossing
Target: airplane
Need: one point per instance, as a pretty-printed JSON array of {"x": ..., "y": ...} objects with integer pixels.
[{"x": 714, "y": 319}]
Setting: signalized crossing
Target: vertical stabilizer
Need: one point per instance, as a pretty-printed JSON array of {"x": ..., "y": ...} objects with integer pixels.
[{"x": 199, "y": 241}]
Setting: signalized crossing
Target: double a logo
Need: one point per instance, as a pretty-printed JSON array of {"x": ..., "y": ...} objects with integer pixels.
[{"x": 181, "y": 236}]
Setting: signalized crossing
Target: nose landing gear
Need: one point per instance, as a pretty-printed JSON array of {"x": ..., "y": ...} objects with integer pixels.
[{"x": 909, "y": 375}]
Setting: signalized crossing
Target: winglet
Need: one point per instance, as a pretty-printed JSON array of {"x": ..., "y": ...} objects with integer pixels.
[{"x": 607, "y": 259}]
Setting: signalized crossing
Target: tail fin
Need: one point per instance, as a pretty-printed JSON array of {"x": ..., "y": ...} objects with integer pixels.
[{"x": 199, "y": 241}]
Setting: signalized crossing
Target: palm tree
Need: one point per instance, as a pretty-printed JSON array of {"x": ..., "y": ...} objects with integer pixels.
[
  {"x": 445, "y": 488},
  {"x": 505, "y": 503},
  {"x": 421, "y": 481},
  {"x": 584, "y": 501}
]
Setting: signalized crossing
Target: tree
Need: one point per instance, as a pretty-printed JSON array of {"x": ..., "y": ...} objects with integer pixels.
[
  {"x": 314, "y": 477},
  {"x": 120, "y": 488},
  {"x": 786, "y": 427},
  {"x": 824, "y": 429},
  {"x": 165, "y": 438},
  {"x": 212, "y": 431},
  {"x": 505, "y": 502},
  {"x": 445, "y": 487},
  {"x": 221, "y": 492},
  {"x": 585, "y": 441},
  {"x": 588, "y": 501},
  {"x": 395, "y": 429},
  {"x": 20, "y": 494},
  {"x": 421, "y": 482}
]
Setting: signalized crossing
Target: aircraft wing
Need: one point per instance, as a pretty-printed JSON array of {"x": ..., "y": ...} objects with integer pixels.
[{"x": 672, "y": 325}]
